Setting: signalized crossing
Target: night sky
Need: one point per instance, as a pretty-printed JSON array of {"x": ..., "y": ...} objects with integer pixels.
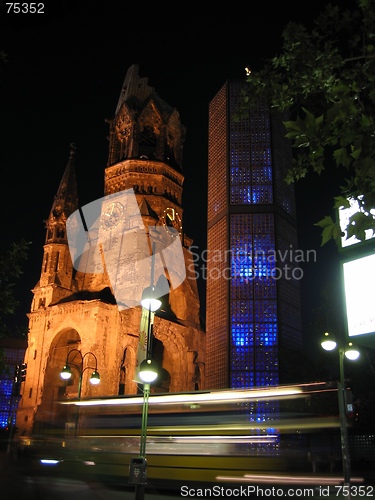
[{"x": 63, "y": 78}]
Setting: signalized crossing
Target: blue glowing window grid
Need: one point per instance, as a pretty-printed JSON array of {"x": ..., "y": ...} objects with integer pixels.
[
  {"x": 266, "y": 378},
  {"x": 264, "y": 412},
  {"x": 254, "y": 330},
  {"x": 242, "y": 378},
  {"x": 265, "y": 310},
  {"x": 255, "y": 379},
  {"x": 251, "y": 161},
  {"x": 6, "y": 386},
  {"x": 246, "y": 195},
  {"x": 264, "y": 288},
  {"x": 265, "y": 334},
  {"x": 242, "y": 309},
  {"x": 242, "y": 356},
  {"x": 242, "y": 334},
  {"x": 266, "y": 359}
]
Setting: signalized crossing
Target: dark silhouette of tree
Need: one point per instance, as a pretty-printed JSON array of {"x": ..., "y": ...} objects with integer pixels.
[
  {"x": 11, "y": 262},
  {"x": 324, "y": 80}
]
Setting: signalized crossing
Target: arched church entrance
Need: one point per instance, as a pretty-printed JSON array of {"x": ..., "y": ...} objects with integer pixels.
[{"x": 51, "y": 414}]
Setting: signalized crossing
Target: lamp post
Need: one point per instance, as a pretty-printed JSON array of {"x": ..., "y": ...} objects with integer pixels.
[
  {"x": 66, "y": 373},
  {"x": 349, "y": 351},
  {"x": 148, "y": 372}
]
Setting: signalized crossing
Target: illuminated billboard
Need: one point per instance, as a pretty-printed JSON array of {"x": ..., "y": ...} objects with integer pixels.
[
  {"x": 359, "y": 287},
  {"x": 344, "y": 216}
]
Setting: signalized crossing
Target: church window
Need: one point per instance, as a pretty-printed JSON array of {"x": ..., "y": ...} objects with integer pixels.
[
  {"x": 60, "y": 233},
  {"x": 147, "y": 142},
  {"x": 57, "y": 262},
  {"x": 46, "y": 263},
  {"x": 122, "y": 378}
]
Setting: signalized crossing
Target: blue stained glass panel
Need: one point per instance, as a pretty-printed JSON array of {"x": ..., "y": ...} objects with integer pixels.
[
  {"x": 266, "y": 334},
  {"x": 242, "y": 334}
]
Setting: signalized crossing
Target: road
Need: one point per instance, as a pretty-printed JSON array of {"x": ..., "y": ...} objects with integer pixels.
[{"x": 20, "y": 481}]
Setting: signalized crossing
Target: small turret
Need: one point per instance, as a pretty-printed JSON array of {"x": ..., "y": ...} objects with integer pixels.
[{"x": 64, "y": 204}]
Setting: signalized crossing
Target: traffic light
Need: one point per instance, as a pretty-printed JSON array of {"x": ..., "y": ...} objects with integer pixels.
[
  {"x": 16, "y": 373},
  {"x": 16, "y": 380},
  {"x": 23, "y": 372}
]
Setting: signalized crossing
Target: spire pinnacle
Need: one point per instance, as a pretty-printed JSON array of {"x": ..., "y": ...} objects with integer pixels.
[
  {"x": 66, "y": 199},
  {"x": 73, "y": 149}
]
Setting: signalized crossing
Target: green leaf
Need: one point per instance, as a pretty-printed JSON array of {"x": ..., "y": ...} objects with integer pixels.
[
  {"x": 341, "y": 202},
  {"x": 326, "y": 222},
  {"x": 330, "y": 229},
  {"x": 327, "y": 234}
]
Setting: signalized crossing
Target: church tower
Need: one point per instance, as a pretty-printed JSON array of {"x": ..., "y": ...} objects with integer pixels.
[
  {"x": 56, "y": 279},
  {"x": 76, "y": 315}
]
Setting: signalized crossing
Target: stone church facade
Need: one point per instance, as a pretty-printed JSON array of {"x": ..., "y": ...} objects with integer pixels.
[{"x": 75, "y": 315}]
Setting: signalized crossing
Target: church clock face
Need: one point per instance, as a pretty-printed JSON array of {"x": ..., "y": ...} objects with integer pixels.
[
  {"x": 112, "y": 215},
  {"x": 172, "y": 221},
  {"x": 122, "y": 127}
]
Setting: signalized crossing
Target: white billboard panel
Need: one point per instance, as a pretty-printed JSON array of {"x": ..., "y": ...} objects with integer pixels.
[
  {"x": 359, "y": 286},
  {"x": 344, "y": 216}
]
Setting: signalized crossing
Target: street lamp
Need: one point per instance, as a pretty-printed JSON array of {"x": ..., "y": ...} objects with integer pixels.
[
  {"x": 148, "y": 372},
  {"x": 66, "y": 373},
  {"x": 350, "y": 352}
]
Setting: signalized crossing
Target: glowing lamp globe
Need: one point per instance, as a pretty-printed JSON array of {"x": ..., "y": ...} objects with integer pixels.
[{"x": 148, "y": 371}]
